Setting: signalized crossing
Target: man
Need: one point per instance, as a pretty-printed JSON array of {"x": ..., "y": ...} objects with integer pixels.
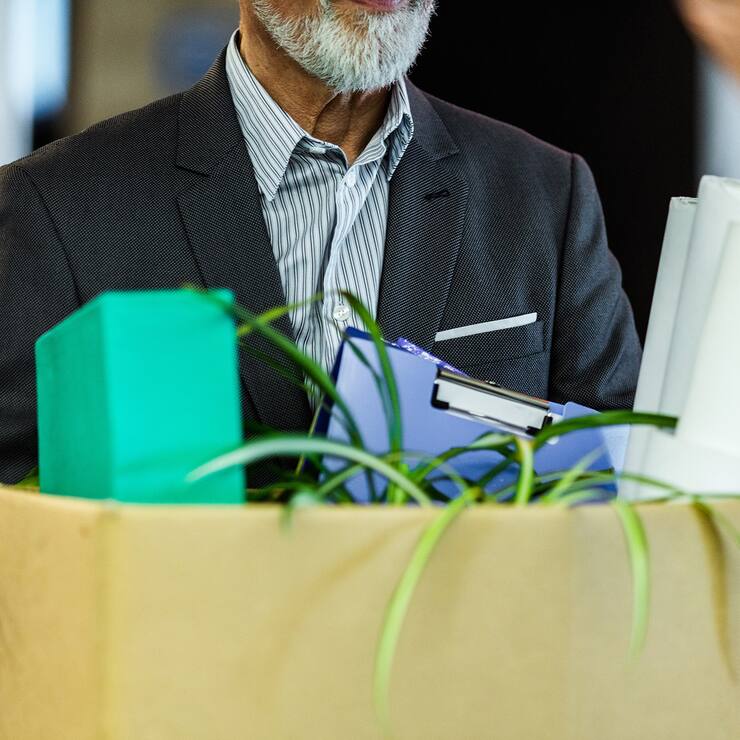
[{"x": 305, "y": 161}]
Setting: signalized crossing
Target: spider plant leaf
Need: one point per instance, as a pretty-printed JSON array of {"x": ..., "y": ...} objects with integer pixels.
[
  {"x": 717, "y": 567},
  {"x": 302, "y": 500},
  {"x": 377, "y": 377},
  {"x": 278, "y": 312},
  {"x": 326, "y": 408},
  {"x": 395, "y": 429},
  {"x": 31, "y": 481},
  {"x": 602, "y": 477},
  {"x": 295, "y": 445},
  {"x": 701, "y": 503},
  {"x": 400, "y": 600},
  {"x": 540, "y": 484},
  {"x": 430, "y": 465},
  {"x": 604, "y": 419},
  {"x": 392, "y": 493},
  {"x": 564, "y": 484},
  {"x": 669, "y": 490},
  {"x": 639, "y": 554},
  {"x": 525, "y": 482},
  {"x": 335, "y": 480},
  {"x": 587, "y": 495},
  {"x": 509, "y": 460},
  {"x": 313, "y": 370},
  {"x": 490, "y": 441}
]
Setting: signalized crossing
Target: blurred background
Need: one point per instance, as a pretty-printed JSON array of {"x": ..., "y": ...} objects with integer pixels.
[{"x": 622, "y": 84}]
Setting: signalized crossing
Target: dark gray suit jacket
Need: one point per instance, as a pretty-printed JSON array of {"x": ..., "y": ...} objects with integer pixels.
[{"x": 485, "y": 222}]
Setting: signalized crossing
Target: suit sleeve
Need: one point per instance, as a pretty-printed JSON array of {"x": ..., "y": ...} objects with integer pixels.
[
  {"x": 36, "y": 291},
  {"x": 595, "y": 348}
]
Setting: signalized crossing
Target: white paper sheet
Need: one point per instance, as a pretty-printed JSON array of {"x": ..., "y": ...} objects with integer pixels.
[
  {"x": 665, "y": 303},
  {"x": 718, "y": 205},
  {"x": 660, "y": 327},
  {"x": 712, "y": 411}
]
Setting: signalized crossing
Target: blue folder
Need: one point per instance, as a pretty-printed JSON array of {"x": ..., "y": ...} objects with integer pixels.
[{"x": 429, "y": 430}]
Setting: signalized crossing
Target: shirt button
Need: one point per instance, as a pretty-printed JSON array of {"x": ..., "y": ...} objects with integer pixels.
[
  {"x": 341, "y": 312},
  {"x": 351, "y": 178},
  {"x": 316, "y": 149}
]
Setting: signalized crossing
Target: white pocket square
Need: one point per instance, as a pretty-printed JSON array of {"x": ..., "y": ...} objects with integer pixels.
[{"x": 467, "y": 331}]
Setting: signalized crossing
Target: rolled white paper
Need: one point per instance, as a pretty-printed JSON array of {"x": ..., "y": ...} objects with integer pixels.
[
  {"x": 665, "y": 303},
  {"x": 660, "y": 327},
  {"x": 718, "y": 205},
  {"x": 711, "y": 415}
]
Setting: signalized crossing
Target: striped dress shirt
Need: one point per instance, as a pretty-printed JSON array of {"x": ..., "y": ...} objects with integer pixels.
[{"x": 326, "y": 221}]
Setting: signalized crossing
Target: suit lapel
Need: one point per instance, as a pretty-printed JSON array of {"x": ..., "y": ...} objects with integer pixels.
[
  {"x": 426, "y": 216},
  {"x": 223, "y": 221}
]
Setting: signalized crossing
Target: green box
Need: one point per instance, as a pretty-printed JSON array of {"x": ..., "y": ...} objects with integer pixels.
[{"x": 135, "y": 390}]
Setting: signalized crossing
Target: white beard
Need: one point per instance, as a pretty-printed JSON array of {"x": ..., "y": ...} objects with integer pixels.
[{"x": 354, "y": 51}]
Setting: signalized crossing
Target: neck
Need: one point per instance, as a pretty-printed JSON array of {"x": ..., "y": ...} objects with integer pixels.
[{"x": 348, "y": 120}]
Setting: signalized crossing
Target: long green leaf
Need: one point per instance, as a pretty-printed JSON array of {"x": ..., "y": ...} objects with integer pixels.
[
  {"x": 302, "y": 500},
  {"x": 488, "y": 442},
  {"x": 563, "y": 485},
  {"x": 399, "y": 603},
  {"x": 31, "y": 481},
  {"x": 392, "y": 458},
  {"x": 312, "y": 369},
  {"x": 701, "y": 503},
  {"x": 496, "y": 470},
  {"x": 276, "y": 313},
  {"x": 295, "y": 445},
  {"x": 639, "y": 554},
  {"x": 380, "y": 384},
  {"x": 394, "y": 422},
  {"x": 382, "y": 389},
  {"x": 605, "y": 419},
  {"x": 525, "y": 482},
  {"x": 393, "y": 403},
  {"x": 587, "y": 495}
]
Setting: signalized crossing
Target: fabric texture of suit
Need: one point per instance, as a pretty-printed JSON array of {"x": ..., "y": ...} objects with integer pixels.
[{"x": 484, "y": 222}]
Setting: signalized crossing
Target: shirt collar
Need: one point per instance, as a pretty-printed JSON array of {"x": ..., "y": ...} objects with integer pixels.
[
  {"x": 398, "y": 126},
  {"x": 272, "y": 135}
]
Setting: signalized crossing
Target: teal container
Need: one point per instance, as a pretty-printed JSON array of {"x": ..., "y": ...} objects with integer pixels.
[{"x": 135, "y": 390}]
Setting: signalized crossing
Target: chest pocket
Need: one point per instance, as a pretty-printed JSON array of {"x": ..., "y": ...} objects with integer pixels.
[{"x": 492, "y": 347}]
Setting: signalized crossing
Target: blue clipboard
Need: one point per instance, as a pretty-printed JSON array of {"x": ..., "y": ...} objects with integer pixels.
[{"x": 428, "y": 430}]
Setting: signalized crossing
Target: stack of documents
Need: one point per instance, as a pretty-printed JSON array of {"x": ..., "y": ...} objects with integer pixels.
[{"x": 692, "y": 351}]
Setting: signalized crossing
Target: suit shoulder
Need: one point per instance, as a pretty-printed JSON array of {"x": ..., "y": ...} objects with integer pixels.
[
  {"x": 137, "y": 137},
  {"x": 480, "y": 135}
]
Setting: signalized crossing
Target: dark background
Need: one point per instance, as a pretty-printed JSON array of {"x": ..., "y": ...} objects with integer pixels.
[{"x": 613, "y": 82}]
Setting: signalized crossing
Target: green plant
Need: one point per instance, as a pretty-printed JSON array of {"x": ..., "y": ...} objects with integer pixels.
[{"x": 415, "y": 477}]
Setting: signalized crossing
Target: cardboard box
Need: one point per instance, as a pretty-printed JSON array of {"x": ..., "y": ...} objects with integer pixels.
[{"x": 176, "y": 623}]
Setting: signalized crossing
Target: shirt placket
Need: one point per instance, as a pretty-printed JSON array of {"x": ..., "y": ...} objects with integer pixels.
[
  {"x": 351, "y": 194},
  {"x": 337, "y": 312}
]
